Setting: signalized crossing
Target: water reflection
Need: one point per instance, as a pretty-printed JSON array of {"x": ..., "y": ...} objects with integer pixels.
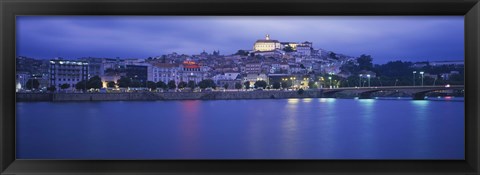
[
  {"x": 189, "y": 126},
  {"x": 367, "y": 117},
  {"x": 293, "y": 101},
  {"x": 326, "y": 100},
  {"x": 306, "y": 100},
  {"x": 324, "y": 128},
  {"x": 289, "y": 127},
  {"x": 421, "y": 126},
  {"x": 328, "y": 133}
]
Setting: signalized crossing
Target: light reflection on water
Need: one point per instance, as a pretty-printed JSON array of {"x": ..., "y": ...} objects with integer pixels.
[
  {"x": 367, "y": 116},
  {"x": 421, "y": 125},
  {"x": 323, "y": 128},
  {"x": 189, "y": 128}
]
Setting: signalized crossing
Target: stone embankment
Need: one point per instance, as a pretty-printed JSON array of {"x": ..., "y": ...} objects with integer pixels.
[{"x": 152, "y": 96}]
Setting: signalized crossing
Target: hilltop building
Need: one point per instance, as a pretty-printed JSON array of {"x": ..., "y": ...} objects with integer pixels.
[{"x": 266, "y": 44}]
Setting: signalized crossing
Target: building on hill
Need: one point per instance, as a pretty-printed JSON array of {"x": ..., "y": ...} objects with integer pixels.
[
  {"x": 252, "y": 78},
  {"x": 293, "y": 45},
  {"x": 266, "y": 44},
  {"x": 441, "y": 63},
  {"x": 253, "y": 67},
  {"x": 304, "y": 49}
]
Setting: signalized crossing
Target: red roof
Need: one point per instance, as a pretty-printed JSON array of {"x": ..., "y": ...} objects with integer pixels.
[{"x": 190, "y": 64}]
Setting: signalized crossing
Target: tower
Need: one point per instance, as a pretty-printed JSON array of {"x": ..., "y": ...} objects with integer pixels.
[{"x": 267, "y": 37}]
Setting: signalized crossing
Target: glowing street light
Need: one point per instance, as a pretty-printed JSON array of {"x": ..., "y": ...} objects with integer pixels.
[
  {"x": 414, "y": 72},
  {"x": 330, "y": 78},
  {"x": 421, "y": 73},
  {"x": 368, "y": 76},
  {"x": 293, "y": 79},
  {"x": 360, "y": 80}
]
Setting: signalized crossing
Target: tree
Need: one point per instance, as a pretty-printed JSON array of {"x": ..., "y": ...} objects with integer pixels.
[
  {"x": 261, "y": 84},
  {"x": 350, "y": 67},
  {"x": 151, "y": 85},
  {"x": 111, "y": 84},
  {"x": 247, "y": 84},
  {"x": 33, "y": 84},
  {"x": 81, "y": 85},
  {"x": 365, "y": 62},
  {"x": 51, "y": 88},
  {"x": 94, "y": 83},
  {"x": 300, "y": 91},
  {"x": 312, "y": 85},
  {"x": 288, "y": 49},
  {"x": 191, "y": 84},
  {"x": 206, "y": 84},
  {"x": 286, "y": 84},
  {"x": 171, "y": 84},
  {"x": 242, "y": 53},
  {"x": 225, "y": 86},
  {"x": 182, "y": 85},
  {"x": 238, "y": 86},
  {"x": 333, "y": 55},
  {"x": 65, "y": 86},
  {"x": 124, "y": 82},
  {"x": 162, "y": 85},
  {"x": 136, "y": 83},
  {"x": 276, "y": 85}
]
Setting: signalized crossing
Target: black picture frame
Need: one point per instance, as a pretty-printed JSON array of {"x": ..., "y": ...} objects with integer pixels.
[{"x": 11, "y": 8}]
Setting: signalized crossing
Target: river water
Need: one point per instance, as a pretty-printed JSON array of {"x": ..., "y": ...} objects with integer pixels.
[{"x": 317, "y": 128}]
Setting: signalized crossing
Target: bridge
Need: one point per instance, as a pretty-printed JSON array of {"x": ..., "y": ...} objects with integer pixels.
[{"x": 418, "y": 92}]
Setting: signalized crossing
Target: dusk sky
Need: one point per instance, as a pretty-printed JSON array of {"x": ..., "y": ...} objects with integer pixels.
[{"x": 414, "y": 38}]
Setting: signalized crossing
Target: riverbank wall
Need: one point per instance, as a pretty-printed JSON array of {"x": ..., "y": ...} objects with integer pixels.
[{"x": 153, "y": 96}]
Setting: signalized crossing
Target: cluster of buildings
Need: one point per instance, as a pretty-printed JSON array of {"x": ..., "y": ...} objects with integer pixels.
[{"x": 268, "y": 60}]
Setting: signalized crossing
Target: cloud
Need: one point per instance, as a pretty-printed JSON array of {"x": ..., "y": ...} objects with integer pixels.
[{"x": 385, "y": 38}]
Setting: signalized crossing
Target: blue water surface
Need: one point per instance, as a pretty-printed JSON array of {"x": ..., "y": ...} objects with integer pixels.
[{"x": 318, "y": 128}]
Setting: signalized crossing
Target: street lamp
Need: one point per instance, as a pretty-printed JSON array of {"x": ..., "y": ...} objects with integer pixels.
[
  {"x": 414, "y": 72},
  {"x": 396, "y": 80},
  {"x": 368, "y": 76},
  {"x": 360, "y": 80},
  {"x": 293, "y": 79},
  {"x": 330, "y": 78},
  {"x": 421, "y": 73}
]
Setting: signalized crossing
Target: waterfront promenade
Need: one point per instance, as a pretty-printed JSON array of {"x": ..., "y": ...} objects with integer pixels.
[
  {"x": 152, "y": 96},
  {"x": 417, "y": 92}
]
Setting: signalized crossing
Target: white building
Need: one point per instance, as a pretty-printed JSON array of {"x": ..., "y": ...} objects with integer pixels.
[
  {"x": 267, "y": 44},
  {"x": 304, "y": 50},
  {"x": 441, "y": 63},
  {"x": 226, "y": 76},
  {"x": 67, "y": 72},
  {"x": 165, "y": 72},
  {"x": 191, "y": 71},
  {"x": 252, "y": 78}
]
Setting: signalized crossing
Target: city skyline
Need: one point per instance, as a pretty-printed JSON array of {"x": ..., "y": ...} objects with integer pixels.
[{"x": 385, "y": 38}]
